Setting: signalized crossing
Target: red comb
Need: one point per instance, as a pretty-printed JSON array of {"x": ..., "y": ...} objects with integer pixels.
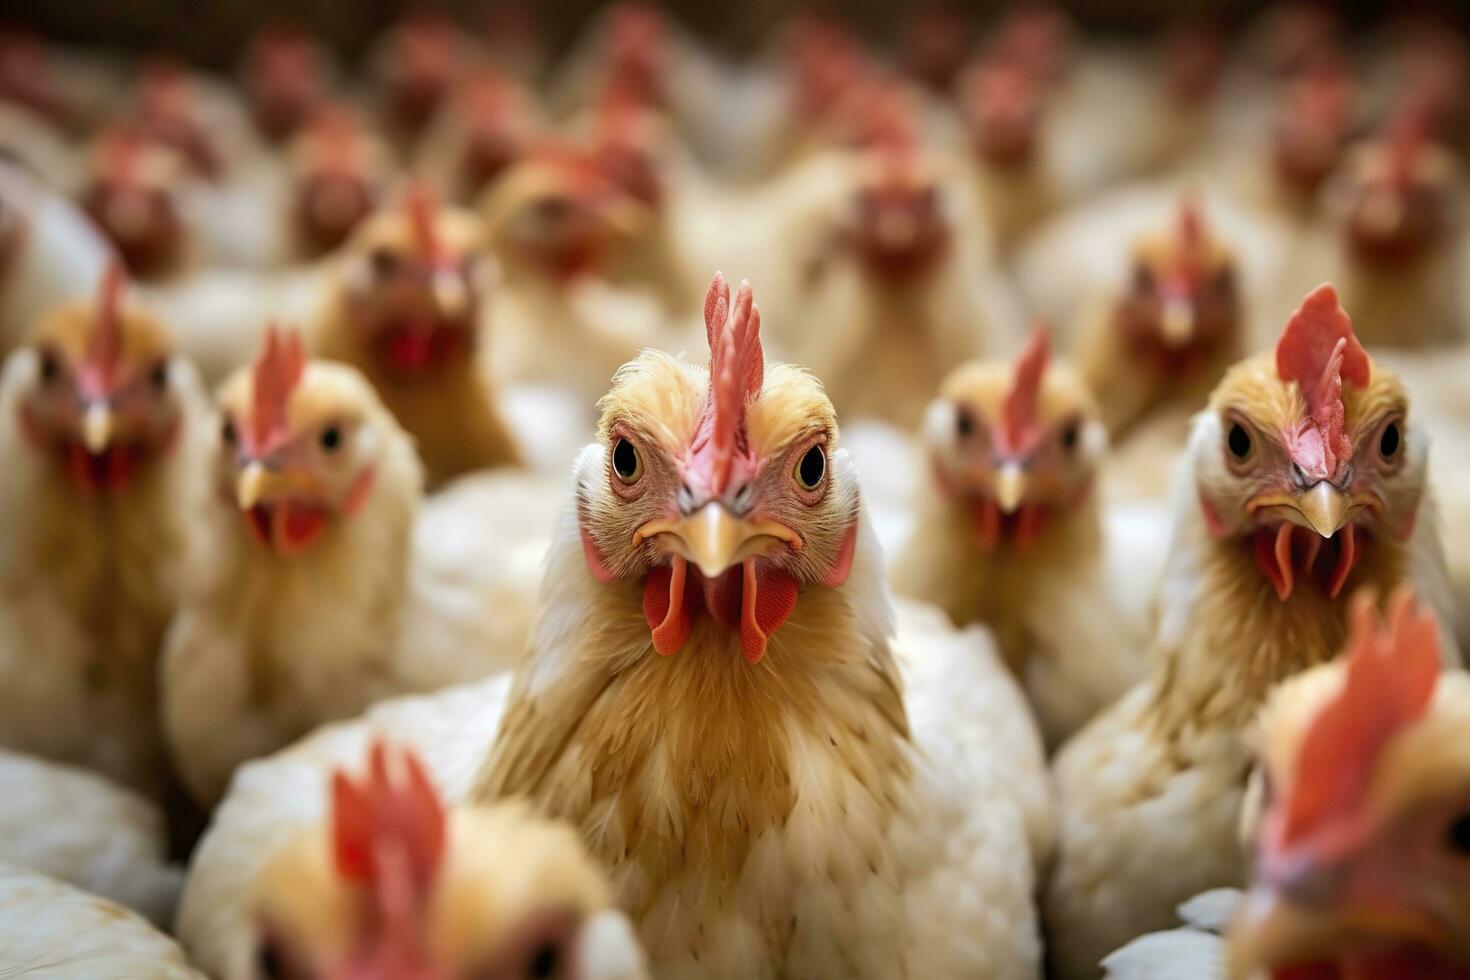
[
  {"x": 104, "y": 344},
  {"x": 1191, "y": 253},
  {"x": 419, "y": 203},
  {"x": 1020, "y": 419},
  {"x": 1319, "y": 351},
  {"x": 276, "y": 374},
  {"x": 1389, "y": 681},
  {"x": 381, "y": 824},
  {"x": 736, "y": 372},
  {"x": 1408, "y": 131}
]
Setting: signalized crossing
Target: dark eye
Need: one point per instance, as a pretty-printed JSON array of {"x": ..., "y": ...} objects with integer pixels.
[
  {"x": 1458, "y": 836},
  {"x": 1143, "y": 278},
  {"x": 331, "y": 439},
  {"x": 158, "y": 377},
  {"x": 50, "y": 367},
  {"x": 1390, "y": 441},
  {"x": 227, "y": 432},
  {"x": 1071, "y": 435},
  {"x": 964, "y": 423},
  {"x": 811, "y": 468},
  {"x": 384, "y": 262},
  {"x": 626, "y": 462},
  {"x": 269, "y": 964},
  {"x": 1239, "y": 441},
  {"x": 543, "y": 963}
]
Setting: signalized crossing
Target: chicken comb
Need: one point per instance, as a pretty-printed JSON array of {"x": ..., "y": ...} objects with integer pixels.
[
  {"x": 384, "y": 824},
  {"x": 275, "y": 375},
  {"x": 1407, "y": 133},
  {"x": 1387, "y": 686},
  {"x": 1191, "y": 229},
  {"x": 1020, "y": 416},
  {"x": 419, "y": 203},
  {"x": 104, "y": 342},
  {"x": 736, "y": 373},
  {"x": 1319, "y": 351}
]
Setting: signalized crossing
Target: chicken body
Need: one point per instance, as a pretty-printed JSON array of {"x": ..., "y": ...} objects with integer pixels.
[
  {"x": 102, "y": 440},
  {"x": 795, "y": 797},
  {"x": 1020, "y": 545},
  {"x": 79, "y": 828},
  {"x": 1150, "y": 792},
  {"x": 52, "y": 929},
  {"x": 261, "y": 642}
]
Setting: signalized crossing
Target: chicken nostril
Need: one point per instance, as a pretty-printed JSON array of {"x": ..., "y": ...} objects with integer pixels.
[{"x": 685, "y": 499}]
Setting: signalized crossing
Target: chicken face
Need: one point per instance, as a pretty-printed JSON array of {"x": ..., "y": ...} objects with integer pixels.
[
  {"x": 413, "y": 277},
  {"x": 299, "y": 445},
  {"x": 169, "y": 111},
  {"x": 560, "y": 212},
  {"x": 131, "y": 198},
  {"x": 1182, "y": 302},
  {"x": 497, "y": 117},
  {"x": 396, "y": 889},
  {"x": 1308, "y": 457},
  {"x": 1309, "y": 133},
  {"x": 285, "y": 81},
  {"x": 1003, "y": 113},
  {"x": 99, "y": 394},
  {"x": 1363, "y": 858},
  {"x": 898, "y": 226},
  {"x": 1016, "y": 447},
  {"x": 1399, "y": 197},
  {"x": 421, "y": 62},
  {"x": 340, "y": 173},
  {"x": 722, "y": 494}
]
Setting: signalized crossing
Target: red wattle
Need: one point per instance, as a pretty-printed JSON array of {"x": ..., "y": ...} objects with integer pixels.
[
  {"x": 767, "y": 601},
  {"x": 667, "y": 608},
  {"x": 296, "y": 526},
  {"x": 1273, "y": 555}
]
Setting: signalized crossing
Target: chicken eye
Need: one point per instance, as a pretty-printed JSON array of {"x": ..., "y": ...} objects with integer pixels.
[
  {"x": 1239, "y": 441},
  {"x": 331, "y": 439},
  {"x": 269, "y": 965},
  {"x": 227, "y": 432},
  {"x": 811, "y": 468},
  {"x": 1071, "y": 435},
  {"x": 50, "y": 367},
  {"x": 1458, "y": 835},
  {"x": 1143, "y": 278},
  {"x": 1390, "y": 442},
  {"x": 964, "y": 423},
  {"x": 627, "y": 464},
  {"x": 543, "y": 963},
  {"x": 384, "y": 262},
  {"x": 158, "y": 376}
]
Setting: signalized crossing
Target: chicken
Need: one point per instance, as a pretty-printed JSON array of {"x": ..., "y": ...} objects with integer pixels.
[
  {"x": 49, "y": 252},
  {"x": 315, "y": 594},
  {"x": 1400, "y": 257},
  {"x": 554, "y": 220},
  {"x": 338, "y": 175},
  {"x": 406, "y": 310},
  {"x": 133, "y": 193},
  {"x": 378, "y": 877},
  {"x": 82, "y": 829},
  {"x": 416, "y": 65},
  {"x": 101, "y": 442},
  {"x": 901, "y": 280},
  {"x": 1304, "y": 479},
  {"x": 1159, "y": 342},
  {"x": 1010, "y": 534},
  {"x": 51, "y": 929},
  {"x": 811, "y": 797},
  {"x": 1357, "y": 852},
  {"x": 484, "y": 127},
  {"x": 286, "y": 76}
]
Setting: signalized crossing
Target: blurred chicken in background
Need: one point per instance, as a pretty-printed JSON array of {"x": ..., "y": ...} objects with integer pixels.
[
  {"x": 313, "y": 592},
  {"x": 102, "y": 440}
]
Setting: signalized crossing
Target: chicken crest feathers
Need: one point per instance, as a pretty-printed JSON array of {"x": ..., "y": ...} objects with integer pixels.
[
  {"x": 382, "y": 826},
  {"x": 736, "y": 373},
  {"x": 1388, "y": 683},
  {"x": 104, "y": 341},
  {"x": 1020, "y": 415},
  {"x": 1319, "y": 351},
  {"x": 274, "y": 377}
]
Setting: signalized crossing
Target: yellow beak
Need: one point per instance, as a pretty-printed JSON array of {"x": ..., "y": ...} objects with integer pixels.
[
  {"x": 450, "y": 294},
  {"x": 1326, "y": 508},
  {"x": 1010, "y": 487},
  {"x": 1176, "y": 323},
  {"x": 716, "y": 540},
  {"x": 97, "y": 427}
]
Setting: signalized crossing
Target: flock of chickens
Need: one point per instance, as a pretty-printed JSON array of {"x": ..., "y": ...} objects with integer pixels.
[{"x": 415, "y": 566}]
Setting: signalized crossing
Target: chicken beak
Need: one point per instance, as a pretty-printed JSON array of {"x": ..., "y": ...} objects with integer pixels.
[
  {"x": 1325, "y": 507},
  {"x": 97, "y": 427},
  {"x": 715, "y": 540},
  {"x": 1010, "y": 487},
  {"x": 450, "y": 294},
  {"x": 1176, "y": 322},
  {"x": 252, "y": 485}
]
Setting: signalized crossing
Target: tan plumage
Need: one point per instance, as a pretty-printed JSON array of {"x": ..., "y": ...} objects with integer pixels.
[
  {"x": 94, "y": 536},
  {"x": 1150, "y": 792},
  {"x": 450, "y": 406},
  {"x": 271, "y": 643},
  {"x": 1059, "y": 618}
]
